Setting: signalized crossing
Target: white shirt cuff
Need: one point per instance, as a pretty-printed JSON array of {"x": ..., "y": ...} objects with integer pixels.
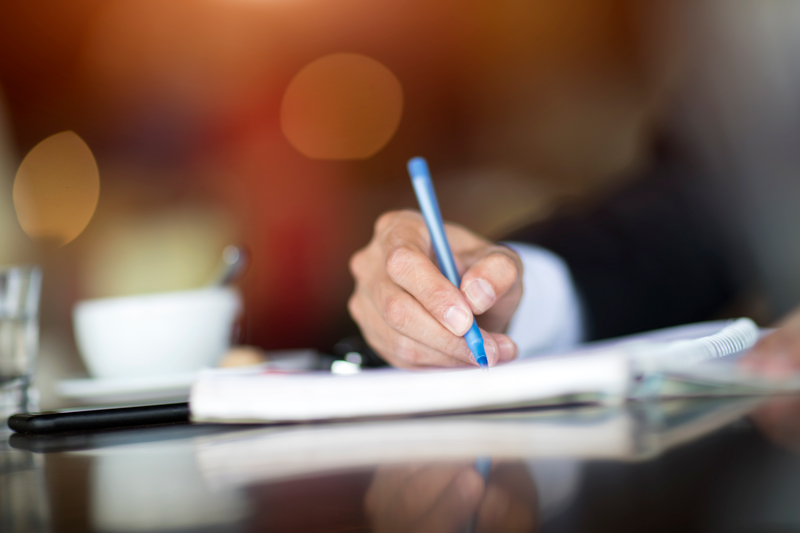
[{"x": 549, "y": 317}]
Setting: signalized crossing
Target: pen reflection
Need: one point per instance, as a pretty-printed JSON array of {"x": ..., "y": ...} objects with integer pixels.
[{"x": 452, "y": 497}]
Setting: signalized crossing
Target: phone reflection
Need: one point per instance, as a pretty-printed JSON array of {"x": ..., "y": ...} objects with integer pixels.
[{"x": 452, "y": 497}]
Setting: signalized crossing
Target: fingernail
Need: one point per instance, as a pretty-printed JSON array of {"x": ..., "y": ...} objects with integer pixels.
[
  {"x": 491, "y": 353},
  {"x": 508, "y": 350},
  {"x": 458, "y": 320},
  {"x": 481, "y": 294}
]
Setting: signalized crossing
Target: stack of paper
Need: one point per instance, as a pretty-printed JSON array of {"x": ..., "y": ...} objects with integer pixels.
[{"x": 656, "y": 365}]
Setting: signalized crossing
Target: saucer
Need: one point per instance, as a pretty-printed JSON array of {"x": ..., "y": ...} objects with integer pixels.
[
  {"x": 96, "y": 391},
  {"x": 175, "y": 387}
]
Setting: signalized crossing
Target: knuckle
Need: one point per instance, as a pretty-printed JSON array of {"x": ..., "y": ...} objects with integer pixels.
[
  {"x": 399, "y": 260},
  {"x": 503, "y": 267},
  {"x": 397, "y": 311},
  {"x": 384, "y": 221},
  {"x": 352, "y": 307},
  {"x": 356, "y": 264},
  {"x": 409, "y": 215},
  {"x": 439, "y": 298},
  {"x": 398, "y": 220}
]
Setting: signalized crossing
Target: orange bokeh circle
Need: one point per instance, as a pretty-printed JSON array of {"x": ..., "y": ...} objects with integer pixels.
[
  {"x": 56, "y": 189},
  {"x": 342, "y": 106}
]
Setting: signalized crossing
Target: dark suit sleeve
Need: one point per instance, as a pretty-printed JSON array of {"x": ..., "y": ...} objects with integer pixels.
[{"x": 646, "y": 258}]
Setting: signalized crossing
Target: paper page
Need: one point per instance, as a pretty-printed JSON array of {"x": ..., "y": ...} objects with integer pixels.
[
  {"x": 639, "y": 366},
  {"x": 392, "y": 392}
]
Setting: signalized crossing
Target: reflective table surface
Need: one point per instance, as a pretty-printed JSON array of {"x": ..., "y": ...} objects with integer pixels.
[{"x": 703, "y": 465}]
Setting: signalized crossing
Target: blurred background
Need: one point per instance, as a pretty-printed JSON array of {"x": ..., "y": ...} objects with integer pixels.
[{"x": 285, "y": 125}]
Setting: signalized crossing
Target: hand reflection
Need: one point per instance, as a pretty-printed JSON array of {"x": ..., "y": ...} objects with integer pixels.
[
  {"x": 779, "y": 420},
  {"x": 444, "y": 498}
]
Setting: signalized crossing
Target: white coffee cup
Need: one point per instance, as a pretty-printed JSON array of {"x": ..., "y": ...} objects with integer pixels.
[{"x": 155, "y": 334}]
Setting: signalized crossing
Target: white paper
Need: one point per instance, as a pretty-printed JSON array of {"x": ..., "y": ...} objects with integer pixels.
[{"x": 641, "y": 366}]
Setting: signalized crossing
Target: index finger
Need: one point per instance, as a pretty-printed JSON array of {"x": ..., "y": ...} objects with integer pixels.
[
  {"x": 413, "y": 270},
  {"x": 409, "y": 265}
]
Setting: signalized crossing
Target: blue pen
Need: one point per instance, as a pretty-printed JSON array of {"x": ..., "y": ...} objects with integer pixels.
[{"x": 426, "y": 196}]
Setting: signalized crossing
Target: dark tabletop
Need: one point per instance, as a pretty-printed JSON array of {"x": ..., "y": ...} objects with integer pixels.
[{"x": 702, "y": 465}]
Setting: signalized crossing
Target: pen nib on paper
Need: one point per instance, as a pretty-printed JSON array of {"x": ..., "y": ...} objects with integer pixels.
[
  {"x": 478, "y": 351},
  {"x": 480, "y": 356}
]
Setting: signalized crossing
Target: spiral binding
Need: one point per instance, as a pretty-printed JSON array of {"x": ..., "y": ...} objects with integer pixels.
[{"x": 738, "y": 336}]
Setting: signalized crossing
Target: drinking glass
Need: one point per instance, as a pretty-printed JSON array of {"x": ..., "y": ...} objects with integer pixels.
[{"x": 20, "y": 287}]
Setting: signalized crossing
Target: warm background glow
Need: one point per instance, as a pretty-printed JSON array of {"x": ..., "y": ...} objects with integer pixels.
[
  {"x": 56, "y": 189},
  {"x": 342, "y": 106},
  {"x": 286, "y": 126},
  {"x": 13, "y": 241}
]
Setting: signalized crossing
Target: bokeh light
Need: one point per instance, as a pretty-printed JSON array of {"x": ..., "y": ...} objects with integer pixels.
[
  {"x": 56, "y": 189},
  {"x": 342, "y": 106}
]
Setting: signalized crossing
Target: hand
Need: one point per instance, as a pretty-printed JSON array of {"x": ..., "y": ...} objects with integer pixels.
[
  {"x": 411, "y": 315},
  {"x": 443, "y": 498},
  {"x": 778, "y": 354}
]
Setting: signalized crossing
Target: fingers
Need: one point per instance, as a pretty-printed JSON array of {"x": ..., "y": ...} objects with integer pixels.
[
  {"x": 423, "y": 498},
  {"x": 407, "y": 315},
  {"x": 438, "y": 346},
  {"x": 383, "y": 490},
  {"x": 399, "y": 349},
  {"x": 776, "y": 355},
  {"x": 506, "y": 348},
  {"x": 493, "y": 287},
  {"x": 412, "y": 270},
  {"x": 493, "y": 509},
  {"x": 456, "y": 505},
  {"x": 510, "y": 501},
  {"x": 489, "y": 279},
  {"x": 501, "y": 511},
  {"x": 412, "y": 315},
  {"x": 419, "y": 492}
]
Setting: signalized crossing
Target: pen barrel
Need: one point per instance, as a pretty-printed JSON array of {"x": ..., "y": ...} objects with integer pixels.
[{"x": 429, "y": 205}]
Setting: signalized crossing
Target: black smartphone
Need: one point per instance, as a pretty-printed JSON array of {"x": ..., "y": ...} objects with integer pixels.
[{"x": 92, "y": 419}]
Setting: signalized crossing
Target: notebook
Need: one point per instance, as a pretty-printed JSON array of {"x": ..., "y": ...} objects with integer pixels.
[{"x": 688, "y": 361}]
